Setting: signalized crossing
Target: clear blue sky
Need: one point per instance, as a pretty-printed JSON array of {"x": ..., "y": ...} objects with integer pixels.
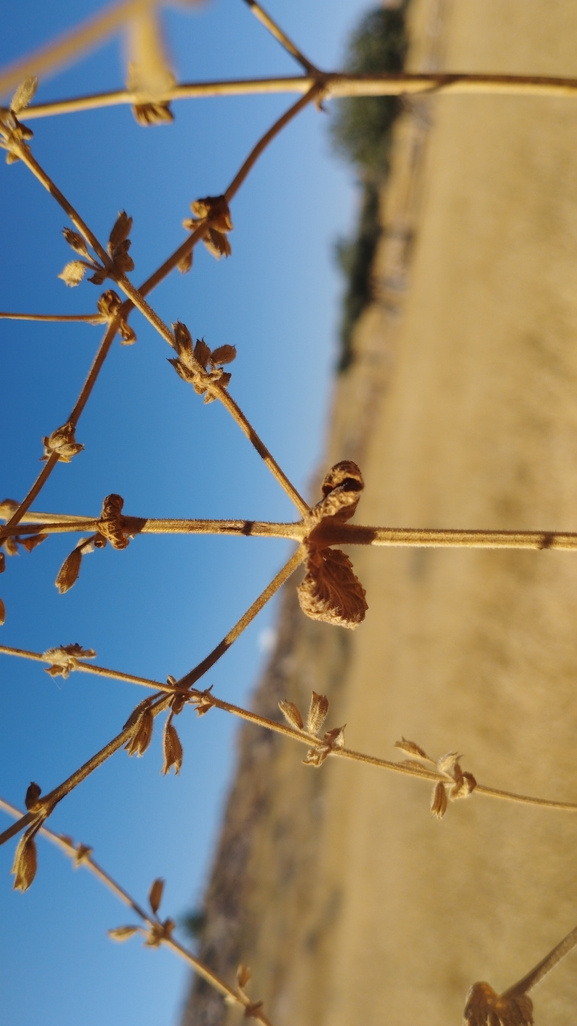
[{"x": 162, "y": 604}]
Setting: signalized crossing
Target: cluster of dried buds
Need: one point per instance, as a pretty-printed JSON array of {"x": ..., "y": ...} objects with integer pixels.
[
  {"x": 330, "y": 590},
  {"x": 64, "y": 659},
  {"x": 118, "y": 246},
  {"x": 110, "y": 529},
  {"x": 458, "y": 784},
  {"x": 484, "y": 1007},
  {"x": 215, "y": 211},
  {"x": 200, "y": 366},
  {"x": 13, "y": 134},
  {"x": 331, "y": 741},
  {"x": 158, "y": 930},
  {"x": 62, "y": 441},
  {"x": 251, "y": 1008}
]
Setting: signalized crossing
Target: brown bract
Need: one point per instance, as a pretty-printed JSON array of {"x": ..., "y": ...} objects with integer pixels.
[
  {"x": 330, "y": 590},
  {"x": 213, "y": 209},
  {"x": 65, "y": 658},
  {"x": 484, "y": 1007},
  {"x": 199, "y": 366}
]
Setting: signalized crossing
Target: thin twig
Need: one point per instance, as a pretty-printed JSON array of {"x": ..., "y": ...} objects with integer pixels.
[
  {"x": 335, "y": 85},
  {"x": 67, "y": 846},
  {"x": 182, "y": 687},
  {"x": 315, "y": 90},
  {"x": 544, "y": 967},
  {"x": 102, "y": 353},
  {"x": 93, "y": 318},
  {"x": 275, "y": 30}
]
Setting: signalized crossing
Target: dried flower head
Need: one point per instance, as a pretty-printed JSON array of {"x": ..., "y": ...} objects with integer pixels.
[
  {"x": 65, "y": 658},
  {"x": 172, "y": 748},
  {"x": 484, "y": 1007},
  {"x": 63, "y": 442},
  {"x": 214, "y": 209}
]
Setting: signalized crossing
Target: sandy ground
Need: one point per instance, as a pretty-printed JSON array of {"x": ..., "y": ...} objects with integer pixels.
[{"x": 351, "y": 903}]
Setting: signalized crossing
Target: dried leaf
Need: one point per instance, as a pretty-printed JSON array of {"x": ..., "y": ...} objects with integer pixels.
[
  {"x": 330, "y": 591},
  {"x": 484, "y": 1007},
  {"x": 11, "y": 546},
  {"x": 447, "y": 763},
  {"x": 292, "y": 714},
  {"x": 153, "y": 114},
  {"x": 439, "y": 800},
  {"x": 32, "y": 540},
  {"x": 73, "y": 273},
  {"x": 317, "y": 713},
  {"x": 99, "y": 276},
  {"x": 24, "y": 94},
  {"x": 69, "y": 571},
  {"x": 155, "y": 894},
  {"x": 120, "y": 231},
  {"x": 463, "y": 787},
  {"x": 335, "y": 738},
  {"x": 2, "y": 613},
  {"x": 172, "y": 749},
  {"x": 202, "y": 352},
  {"x": 217, "y": 243},
  {"x": 32, "y": 795},
  {"x": 316, "y": 756},
  {"x": 185, "y": 262},
  {"x": 127, "y": 334},
  {"x": 122, "y": 933},
  {"x": 411, "y": 748},
  {"x": 25, "y": 861},
  {"x": 75, "y": 240},
  {"x": 142, "y": 734},
  {"x": 82, "y": 854},
  {"x": 224, "y": 354},
  {"x": 243, "y": 975}
]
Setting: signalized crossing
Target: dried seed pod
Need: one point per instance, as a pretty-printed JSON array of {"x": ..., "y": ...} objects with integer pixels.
[
  {"x": 155, "y": 894},
  {"x": 122, "y": 933},
  {"x": 202, "y": 352},
  {"x": 317, "y": 713},
  {"x": 341, "y": 490},
  {"x": 142, "y": 734},
  {"x": 75, "y": 240},
  {"x": 224, "y": 354},
  {"x": 172, "y": 749},
  {"x": 63, "y": 442},
  {"x": 2, "y": 613},
  {"x": 25, "y": 861},
  {"x": 69, "y": 571},
  {"x": 411, "y": 749},
  {"x": 119, "y": 232},
  {"x": 447, "y": 763},
  {"x": 330, "y": 591},
  {"x": 65, "y": 658},
  {"x": 439, "y": 800},
  {"x": 463, "y": 787},
  {"x": 32, "y": 795},
  {"x": 32, "y": 541},
  {"x": 243, "y": 975},
  {"x": 292, "y": 714},
  {"x": 316, "y": 756},
  {"x": 24, "y": 94}
]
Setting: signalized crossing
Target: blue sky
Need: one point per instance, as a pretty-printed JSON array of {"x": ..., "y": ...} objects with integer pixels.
[{"x": 162, "y": 604}]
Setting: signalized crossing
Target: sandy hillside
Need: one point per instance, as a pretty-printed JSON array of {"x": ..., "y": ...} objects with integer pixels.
[{"x": 349, "y": 901}]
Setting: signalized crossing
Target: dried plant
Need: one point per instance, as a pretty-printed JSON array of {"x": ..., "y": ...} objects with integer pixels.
[{"x": 329, "y": 590}]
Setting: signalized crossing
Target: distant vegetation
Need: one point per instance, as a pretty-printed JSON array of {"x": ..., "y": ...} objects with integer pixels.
[{"x": 361, "y": 132}]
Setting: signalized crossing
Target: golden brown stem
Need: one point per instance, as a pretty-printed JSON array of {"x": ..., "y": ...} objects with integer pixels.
[
  {"x": 544, "y": 967},
  {"x": 298, "y": 735},
  {"x": 275, "y": 30},
  {"x": 68, "y": 847},
  {"x": 93, "y": 318},
  {"x": 335, "y": 85}
]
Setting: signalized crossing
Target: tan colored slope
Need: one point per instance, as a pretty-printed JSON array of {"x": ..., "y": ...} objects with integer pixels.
[{"x": 358, "y": 907}]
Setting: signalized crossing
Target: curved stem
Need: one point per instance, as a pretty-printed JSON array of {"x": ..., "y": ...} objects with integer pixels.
[{"x": 93, "y": 318}]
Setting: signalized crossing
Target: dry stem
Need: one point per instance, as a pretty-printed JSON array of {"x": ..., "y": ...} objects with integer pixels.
[
  {"x": 183, "y": 687},
  {"x": 67, "y": 846},
  {"x": 335, "y": 85},
  {"x": 275, "y": 30},
  {"x": 93, "y": 318}
]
